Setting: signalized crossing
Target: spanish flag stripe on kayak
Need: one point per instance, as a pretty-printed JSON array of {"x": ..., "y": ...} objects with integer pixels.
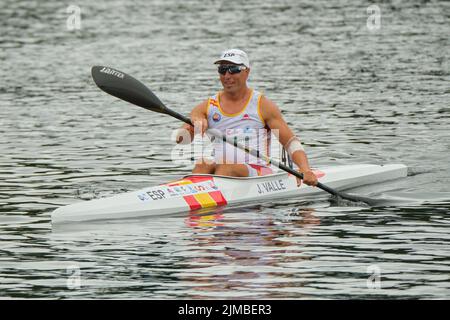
[
  {"x": 179, "y": 183},
  {"x": 205, "y": 200},
  {"x": 218, "y": 198},
  {"x": 192, "y": 202},
  {"x": 200, "y": 200}
]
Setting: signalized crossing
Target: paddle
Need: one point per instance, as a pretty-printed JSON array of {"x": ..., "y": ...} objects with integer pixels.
[{"x": 127, "y": 88}]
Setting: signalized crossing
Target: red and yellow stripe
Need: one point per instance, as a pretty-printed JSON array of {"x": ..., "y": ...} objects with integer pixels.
[{"x": 201, "y": 200}]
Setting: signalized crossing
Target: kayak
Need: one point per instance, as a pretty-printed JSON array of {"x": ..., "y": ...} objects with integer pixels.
[{"x": 200, "y": 191}]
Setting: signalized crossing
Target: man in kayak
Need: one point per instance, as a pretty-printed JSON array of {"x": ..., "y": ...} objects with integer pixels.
[{"x": 245, "y": 115}]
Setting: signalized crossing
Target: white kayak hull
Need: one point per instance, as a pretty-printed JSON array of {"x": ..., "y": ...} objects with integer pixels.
[{"x": 195, "y": 192}]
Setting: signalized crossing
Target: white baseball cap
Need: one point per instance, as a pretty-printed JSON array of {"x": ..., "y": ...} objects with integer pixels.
[{"x": 235, "y": 56}]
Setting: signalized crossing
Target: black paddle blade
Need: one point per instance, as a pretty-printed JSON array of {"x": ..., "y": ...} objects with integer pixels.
[
  {"x": 359, "y": 199},
  {"x": 127, "y": 88}
]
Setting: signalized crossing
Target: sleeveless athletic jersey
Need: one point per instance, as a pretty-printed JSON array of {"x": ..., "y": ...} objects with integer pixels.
[{"x": 246, "y": 126}]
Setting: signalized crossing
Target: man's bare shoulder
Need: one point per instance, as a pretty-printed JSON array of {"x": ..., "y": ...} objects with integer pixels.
[
  {"x": 268, "y": 108},
  {"x": 202, "y": 106}
]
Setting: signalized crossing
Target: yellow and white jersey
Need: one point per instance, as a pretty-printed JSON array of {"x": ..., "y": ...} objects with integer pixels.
[{"x": 247, "y": 127}]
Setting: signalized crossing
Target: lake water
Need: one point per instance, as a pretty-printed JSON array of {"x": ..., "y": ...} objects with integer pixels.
[{"x": 355, "y": 91}]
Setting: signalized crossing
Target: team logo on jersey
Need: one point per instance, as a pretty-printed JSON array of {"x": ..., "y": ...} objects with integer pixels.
[
  {"x": 214, "y": 102},
  {"x": 216, "y": 117},
  {"x": 246, "y": 117}
]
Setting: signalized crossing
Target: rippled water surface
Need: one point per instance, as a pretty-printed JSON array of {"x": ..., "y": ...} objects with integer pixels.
[{"x": 354, "y": 95}]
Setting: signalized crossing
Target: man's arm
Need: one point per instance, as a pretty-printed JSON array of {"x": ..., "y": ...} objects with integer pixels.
[
  {"x": 274, "y": 120},
  {"x": 198, "y": 114}
]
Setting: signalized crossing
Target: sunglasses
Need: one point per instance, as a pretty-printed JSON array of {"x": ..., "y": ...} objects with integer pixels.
[{"x": 231, "y": 68}]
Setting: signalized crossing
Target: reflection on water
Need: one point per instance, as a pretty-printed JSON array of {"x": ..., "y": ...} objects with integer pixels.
[
  {"x": 352, "y": 95},
  {"x": 226, "y": 259},
  {"x": 212, "y": 255}
]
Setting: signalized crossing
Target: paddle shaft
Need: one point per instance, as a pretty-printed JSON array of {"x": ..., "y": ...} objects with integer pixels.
[{"x": 253, "y": 152}]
